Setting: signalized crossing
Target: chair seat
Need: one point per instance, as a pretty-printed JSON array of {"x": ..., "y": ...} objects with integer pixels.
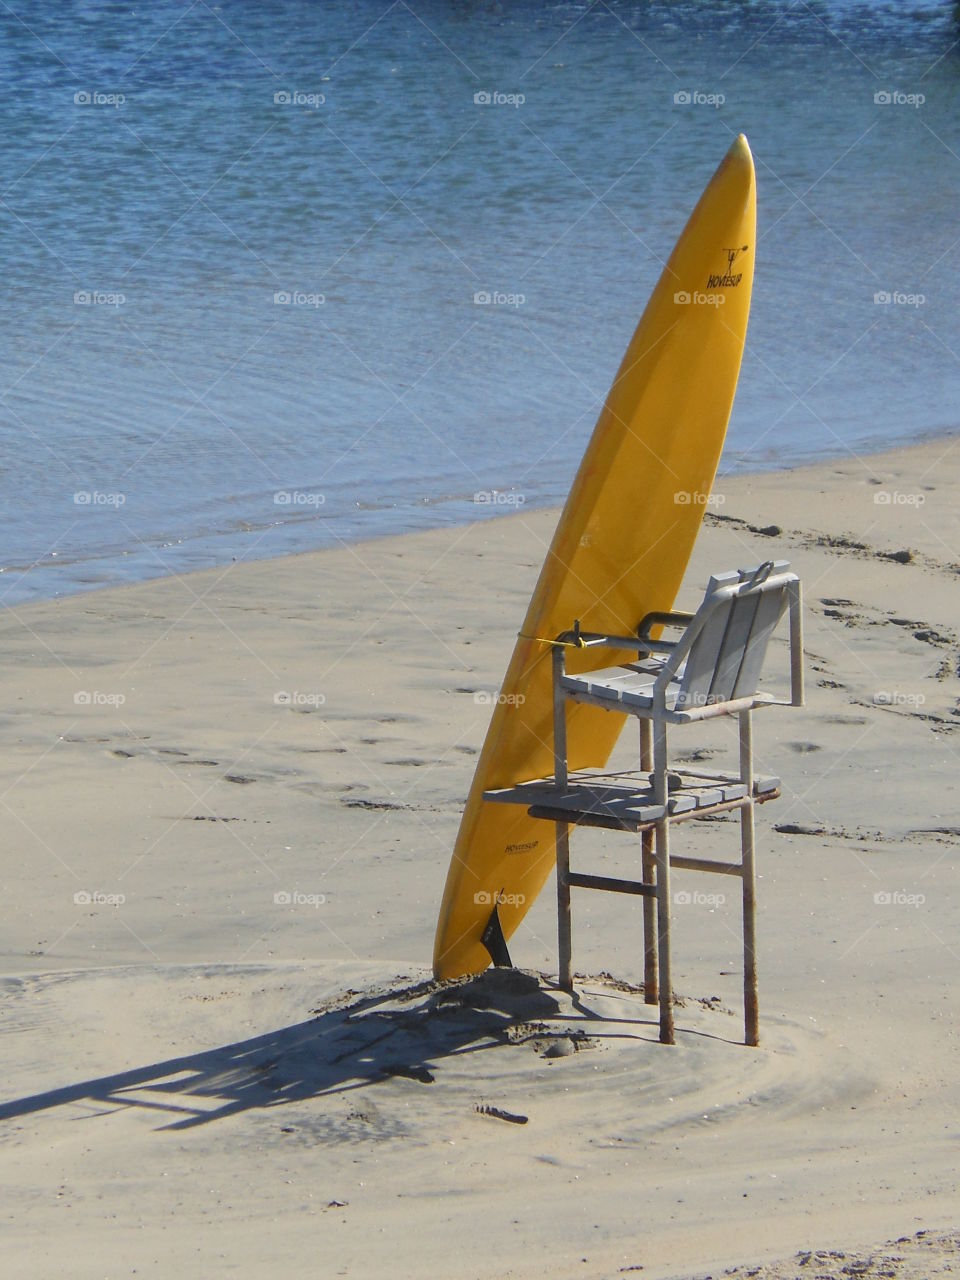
[
  {"x": 630, "y": 685},
  {"x": 630, "y": 688}
]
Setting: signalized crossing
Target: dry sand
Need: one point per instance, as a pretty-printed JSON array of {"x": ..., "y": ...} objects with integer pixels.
[{"x": 203, "y": 1079}]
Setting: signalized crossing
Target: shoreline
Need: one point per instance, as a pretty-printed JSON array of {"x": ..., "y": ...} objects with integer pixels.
[
  {"x": 245, "y": 822},
  {"x": 11, "y": 575}
]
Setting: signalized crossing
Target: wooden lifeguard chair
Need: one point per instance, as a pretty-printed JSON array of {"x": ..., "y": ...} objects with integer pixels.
[{"x": 712, "y": 669}]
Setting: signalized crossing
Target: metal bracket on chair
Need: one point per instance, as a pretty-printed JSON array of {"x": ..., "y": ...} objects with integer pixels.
[
  {"x": 758, "y": 575},
  {"x": 494, "y": 941}
]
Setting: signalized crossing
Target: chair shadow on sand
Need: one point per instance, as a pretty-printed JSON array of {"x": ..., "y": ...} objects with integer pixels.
[{"x": 395, "y": 1032}]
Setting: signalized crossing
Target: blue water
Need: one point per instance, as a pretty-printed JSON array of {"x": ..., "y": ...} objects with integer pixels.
[{"x": 181, "y": 164}]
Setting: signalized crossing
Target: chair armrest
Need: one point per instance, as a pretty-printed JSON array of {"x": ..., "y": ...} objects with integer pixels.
[{"x": 668, "y": 619}]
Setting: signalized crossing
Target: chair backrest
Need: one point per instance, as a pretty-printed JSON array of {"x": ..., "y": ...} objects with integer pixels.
[{"x": 726, "y": 643}]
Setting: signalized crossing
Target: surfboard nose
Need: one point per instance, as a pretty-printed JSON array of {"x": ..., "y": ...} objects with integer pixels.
[
  {"x": 736, "y": 171},
  {"x": 740, "y": 151}
]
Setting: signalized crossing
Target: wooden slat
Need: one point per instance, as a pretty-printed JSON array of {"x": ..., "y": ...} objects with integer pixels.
[
  {"x": 752, "y": 619},
  {"x": 704, "y": 864},
  {"x": 706, "y": 799},
  {"x": 611, "y": 884},
  {"x": 608, "y": 822},
  {"x": 605, "y": 822},
  {"x": 680, "y": 802},
  {"x": 770, "y": 609},
  {"x": 629, "y": 784},
  {"x": 702, "y": 658},
  {"x": 612, "y": 684},
  {"x": 743, "y": 611}
]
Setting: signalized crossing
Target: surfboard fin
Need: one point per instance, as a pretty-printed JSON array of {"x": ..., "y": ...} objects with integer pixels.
[{"x": 494, "y": 941}]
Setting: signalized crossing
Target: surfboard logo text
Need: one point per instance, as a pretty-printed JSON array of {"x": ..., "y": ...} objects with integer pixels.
[
  {"x": 727, "y": 279},
  {"x": 526, "y": 846}
]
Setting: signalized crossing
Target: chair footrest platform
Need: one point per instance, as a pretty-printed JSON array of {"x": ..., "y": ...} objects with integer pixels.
[{"x": 626, "y": 801}]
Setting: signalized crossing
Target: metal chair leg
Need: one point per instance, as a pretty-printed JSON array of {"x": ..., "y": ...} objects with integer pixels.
[
  {"x": 562, "y": 828},
  {"x": 751, "y": 1010},
  {"x": 565, "y": 947},
  {"x": 662, "y": 844},
  {"x": 648, "y": 871}
]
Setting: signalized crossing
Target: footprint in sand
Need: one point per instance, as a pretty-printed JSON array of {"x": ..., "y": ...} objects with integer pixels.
[{"x": 359, "y": 803}]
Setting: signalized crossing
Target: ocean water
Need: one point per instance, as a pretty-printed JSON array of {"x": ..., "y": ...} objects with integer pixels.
[{"x": 245, "y": 249}]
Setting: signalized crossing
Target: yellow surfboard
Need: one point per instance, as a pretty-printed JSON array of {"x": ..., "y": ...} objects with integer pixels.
[{"x": 619, "y": 552}]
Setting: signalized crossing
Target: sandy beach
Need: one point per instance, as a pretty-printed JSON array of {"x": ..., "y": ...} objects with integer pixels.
[{"x": 229, "y": 801}]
